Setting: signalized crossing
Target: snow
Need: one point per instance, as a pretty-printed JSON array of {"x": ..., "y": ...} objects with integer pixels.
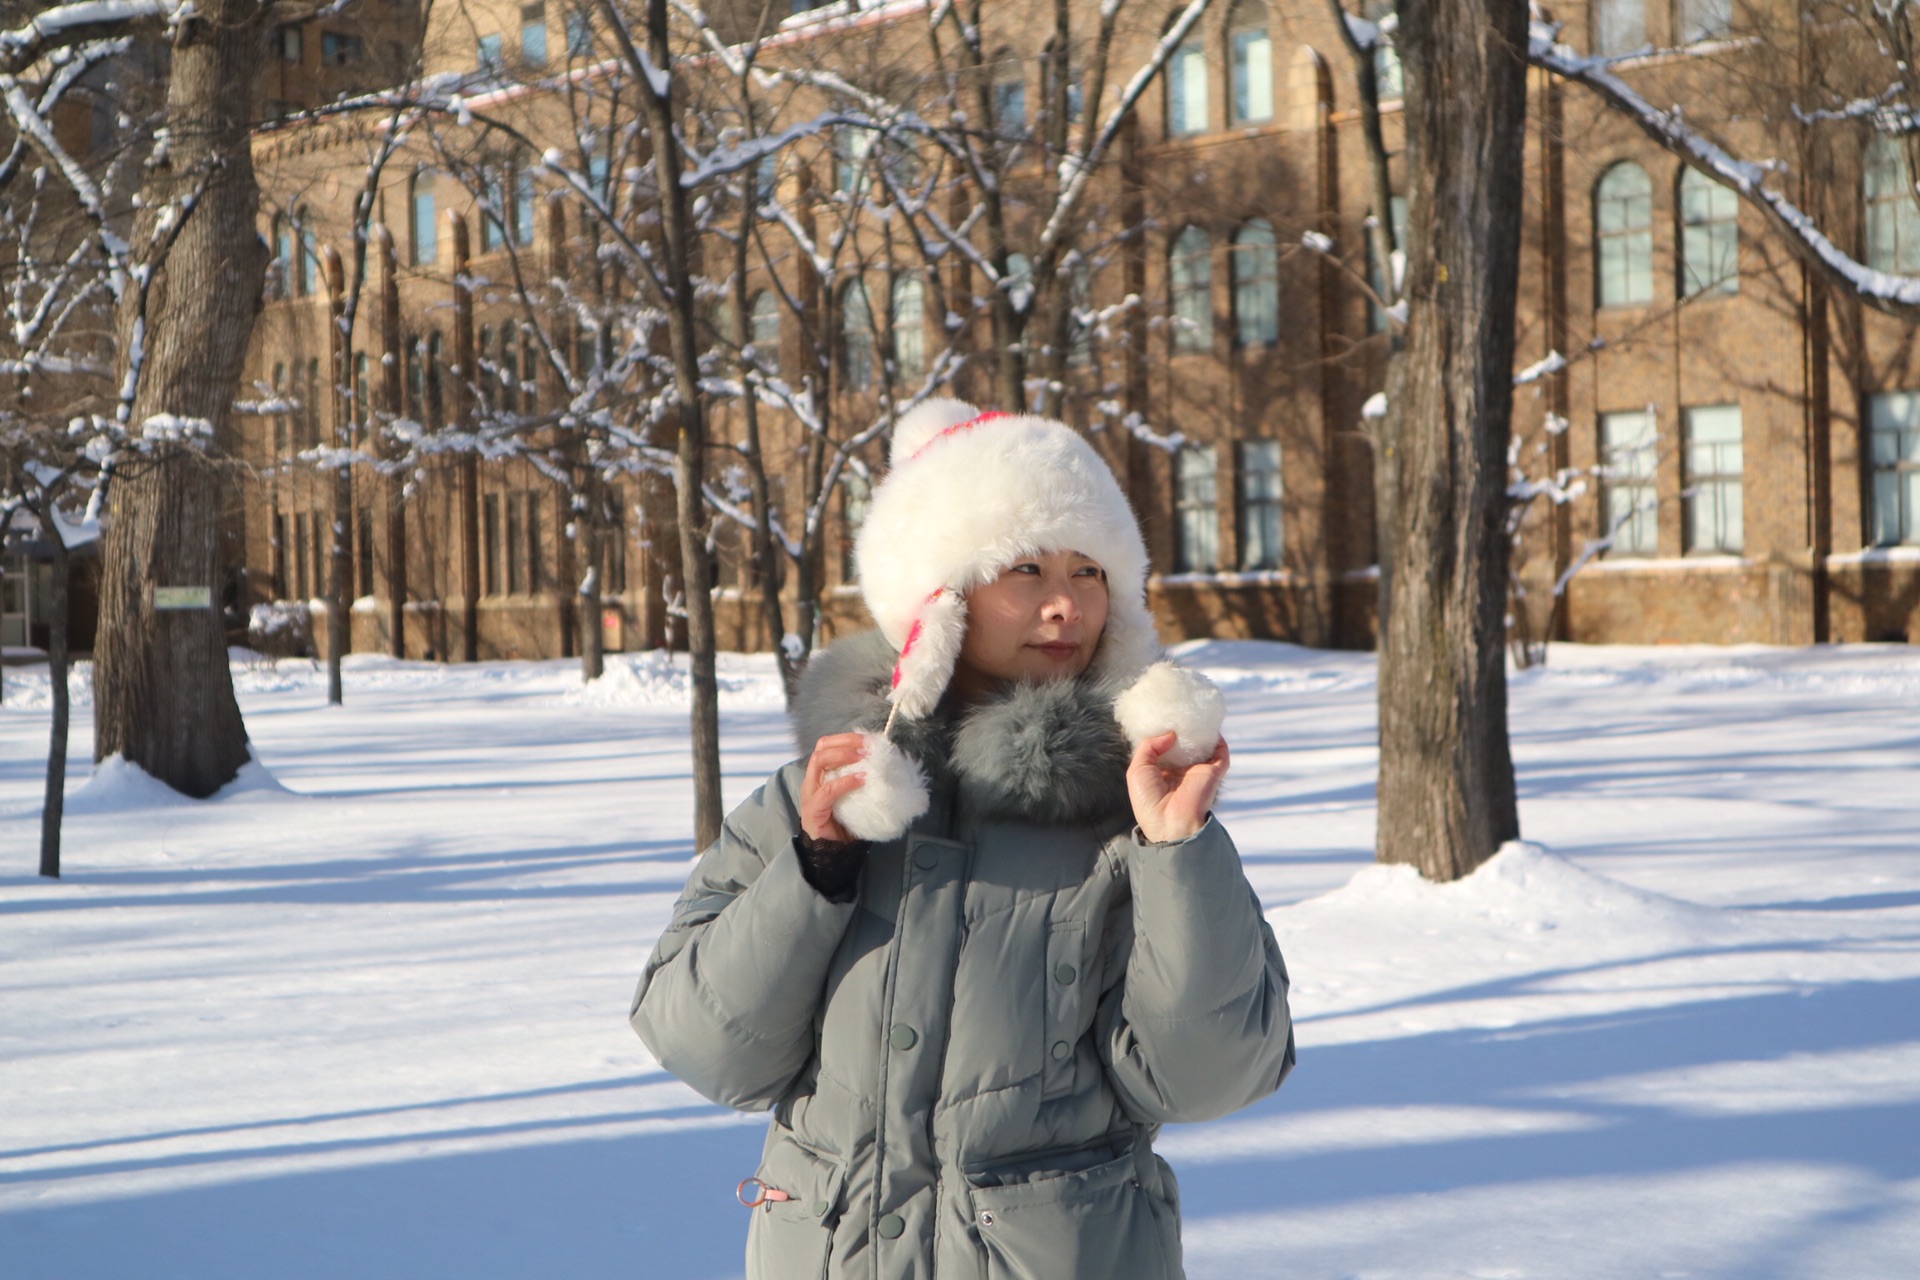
[{"x": 362, "y": 1014}]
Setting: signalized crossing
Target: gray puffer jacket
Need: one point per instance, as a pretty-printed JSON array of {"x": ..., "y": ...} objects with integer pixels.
[{"x": 968, "y": 1063}]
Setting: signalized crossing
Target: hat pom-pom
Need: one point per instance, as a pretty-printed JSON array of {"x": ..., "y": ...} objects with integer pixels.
[
  {"x": 893, "y": 795},
  {"x": 1169, "y": 697},
  {"x": 926, "y": 420}
]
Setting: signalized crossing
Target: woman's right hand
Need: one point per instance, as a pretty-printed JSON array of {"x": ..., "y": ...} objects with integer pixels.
[{"x": 818, "y": 793}]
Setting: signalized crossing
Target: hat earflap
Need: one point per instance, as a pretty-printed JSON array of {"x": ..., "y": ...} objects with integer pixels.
[{"x": 925, "y": 665}]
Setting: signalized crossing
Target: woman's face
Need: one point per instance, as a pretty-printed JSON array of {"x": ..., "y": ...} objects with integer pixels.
[{"x": 1041, "y": 619}]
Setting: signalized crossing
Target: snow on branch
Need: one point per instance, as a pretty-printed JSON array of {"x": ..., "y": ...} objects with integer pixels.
[
  {"x": 1893, "y": 294},
  {"x": 68, "y": 24},
  {"x": 1552, "y": 364}
]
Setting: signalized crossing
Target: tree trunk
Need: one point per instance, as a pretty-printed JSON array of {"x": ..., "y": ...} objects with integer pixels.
[
  {"x": 689, "y": 471},
  {"x": 340, "y": 546},
  {"x": 55, "y": 806},
  {"x": 590, "y": 524},
  {"x": 1446, "y": 774},
  {"x": 163, "y": 694}
]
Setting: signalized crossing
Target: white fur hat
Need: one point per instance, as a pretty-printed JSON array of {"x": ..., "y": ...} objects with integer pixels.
[{"x": 966, "y": 495}]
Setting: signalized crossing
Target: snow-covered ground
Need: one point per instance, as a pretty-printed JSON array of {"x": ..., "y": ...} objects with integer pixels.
[{"x": 363, "y": 1015}]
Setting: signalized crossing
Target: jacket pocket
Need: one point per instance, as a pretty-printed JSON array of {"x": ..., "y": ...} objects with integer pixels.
[
  {"x": 790, "y": 1239},
  {"x": 1045, "y": 1224}
]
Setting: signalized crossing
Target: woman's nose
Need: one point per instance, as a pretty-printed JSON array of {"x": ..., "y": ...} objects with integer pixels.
[{"x": 1061, "y": 607}]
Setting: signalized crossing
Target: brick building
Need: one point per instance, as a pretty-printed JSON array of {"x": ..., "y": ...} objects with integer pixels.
[{"x": 1747, "y": 437}]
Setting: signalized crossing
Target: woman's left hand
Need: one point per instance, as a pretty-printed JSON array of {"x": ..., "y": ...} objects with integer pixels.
[{"x": 1172, "y": 804}]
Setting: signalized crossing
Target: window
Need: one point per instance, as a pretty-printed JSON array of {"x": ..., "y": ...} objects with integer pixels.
[
  {"x": 310, "y": 416},
  {"x": 279, "y": 556},
  {"x": 1397, "y": 214},
  {"x": 491, "y": 58},
  {"x": 1187, "y": 90},
  {"x": 1260, "y": 504},
  {"x": 1709, "y": 236},
  {"x": 301, "y": 585},
  {"x": 856, "y": 495},
  {"x": 416, "y": 380},
  {"x": 1389, "y": 77},
  {"x": 529, "y": 372},
  {"x": 493, "y": 213},
  {"x": 426, "y": 228},
  {"x": 363, "y": 563},
  {"x": 338, "y": 48},
  {"x": 518, "y": 576},
  {"x": 763, "y": 330},
  {"x": 1196, "y": 502},
  {"x": 1019, "y": 280},
  {"x": 1705, "y": 20},
  {"x": 362, "y": 389},
  {"x": 579, "y": 33},
  {"x": 856, "y": 337},
  {"x": 1010, "y": 104},
  {"x": 280, "y": 392},
  {"x": 850, "y": 148},
  {"x": 290, "y": 44},
  {"x": 1623, "y": 214},
  {"x": 490, "y": 544},
  {"x": 436, "y": 388},
  {"x": 1714, "y": 517},
  {"x": 910, "y": 328},
  {"x": 1081, "y": 318},
  {"x": 1250, "y": 54},
  {"x": 533, "y": 35},
  {"x": 1190, "y": 272},
  {"x": 1893, "y": 219},
  {"x": 1627, "y": 460},
  {"x": 505, "y": 367},
  {"x": 1256, "y": 284},
  {"x": 615, "y": 543},
  {"x": 525, "y": 206},
  {"x": 308, "y": 274},
  {"x": 1619, "y": 26},
  {"x": 280, "y": 279},
  {"x": 1894, "y": 450}
]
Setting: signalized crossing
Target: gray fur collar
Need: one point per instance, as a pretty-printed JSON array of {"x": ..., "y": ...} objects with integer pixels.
[{"x": 1039, "y": 752}]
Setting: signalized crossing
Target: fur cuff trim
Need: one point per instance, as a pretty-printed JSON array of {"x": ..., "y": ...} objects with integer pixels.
[
  {"x": 1171, "y": 697},
  {"x": 894, "y": 794}
]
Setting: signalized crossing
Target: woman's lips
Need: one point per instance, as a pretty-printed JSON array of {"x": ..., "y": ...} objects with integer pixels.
[{"x": 1058, "y": 650}]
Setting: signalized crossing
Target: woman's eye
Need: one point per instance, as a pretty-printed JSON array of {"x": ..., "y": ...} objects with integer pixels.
[{"x": 1025, "y": 568}]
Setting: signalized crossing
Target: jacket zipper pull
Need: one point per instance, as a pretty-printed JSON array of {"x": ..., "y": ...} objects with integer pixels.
[{"x": 753, "y": 1193}]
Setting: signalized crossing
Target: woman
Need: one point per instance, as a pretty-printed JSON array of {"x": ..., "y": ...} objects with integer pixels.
[{"x": 973, "y": 950}]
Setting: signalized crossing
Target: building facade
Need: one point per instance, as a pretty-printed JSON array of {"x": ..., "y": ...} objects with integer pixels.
[{"x": 1738, "y": 444}]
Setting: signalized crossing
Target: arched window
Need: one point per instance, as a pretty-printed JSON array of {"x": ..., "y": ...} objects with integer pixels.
[
  {"x": 1709, "y": 236},
  {"x": 1187, "y": 89},
  {"x": 1250, "y": 60},
  {"x": 524, "y": 204},
  {"x": 763, "y": 330},
  {"x": 1390, "y": 78},
  {"x": 424, "y": 220},
  {"x": 856, "y": 337},
  {"x": 282, "y": 283},
  {"x": 1893, "y": 219},
  {"x": 910, "y": 328},
  {"x": 1190, "y": 276},
  {"x": 1256, "y": 284},
  {"x": 1623, "y": 217}
]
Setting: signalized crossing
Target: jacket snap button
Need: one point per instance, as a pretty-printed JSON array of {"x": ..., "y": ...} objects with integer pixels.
[
  {"x": 1061, "y": 1050},
  {"x": 892, "y": 1225},
  {"x": 904, "y": 1036},
  {"x": 820, "y": 1208},
  {"x": 986, "y": 1217},
  {"x": 925, "y": 858},
  {"x": 1066, "y": 973}
]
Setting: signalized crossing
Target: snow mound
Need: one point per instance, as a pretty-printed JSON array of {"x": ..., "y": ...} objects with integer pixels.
[
  {"x": 120, "y": 786},
  {"x": 1522, "y": 888},
  {"x": 654, "y": 679}
]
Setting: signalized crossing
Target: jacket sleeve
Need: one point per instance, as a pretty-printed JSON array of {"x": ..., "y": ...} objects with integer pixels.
[
  {"x": 727, "y": 1001},
  {"x": 1199, "y": 1025}
]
